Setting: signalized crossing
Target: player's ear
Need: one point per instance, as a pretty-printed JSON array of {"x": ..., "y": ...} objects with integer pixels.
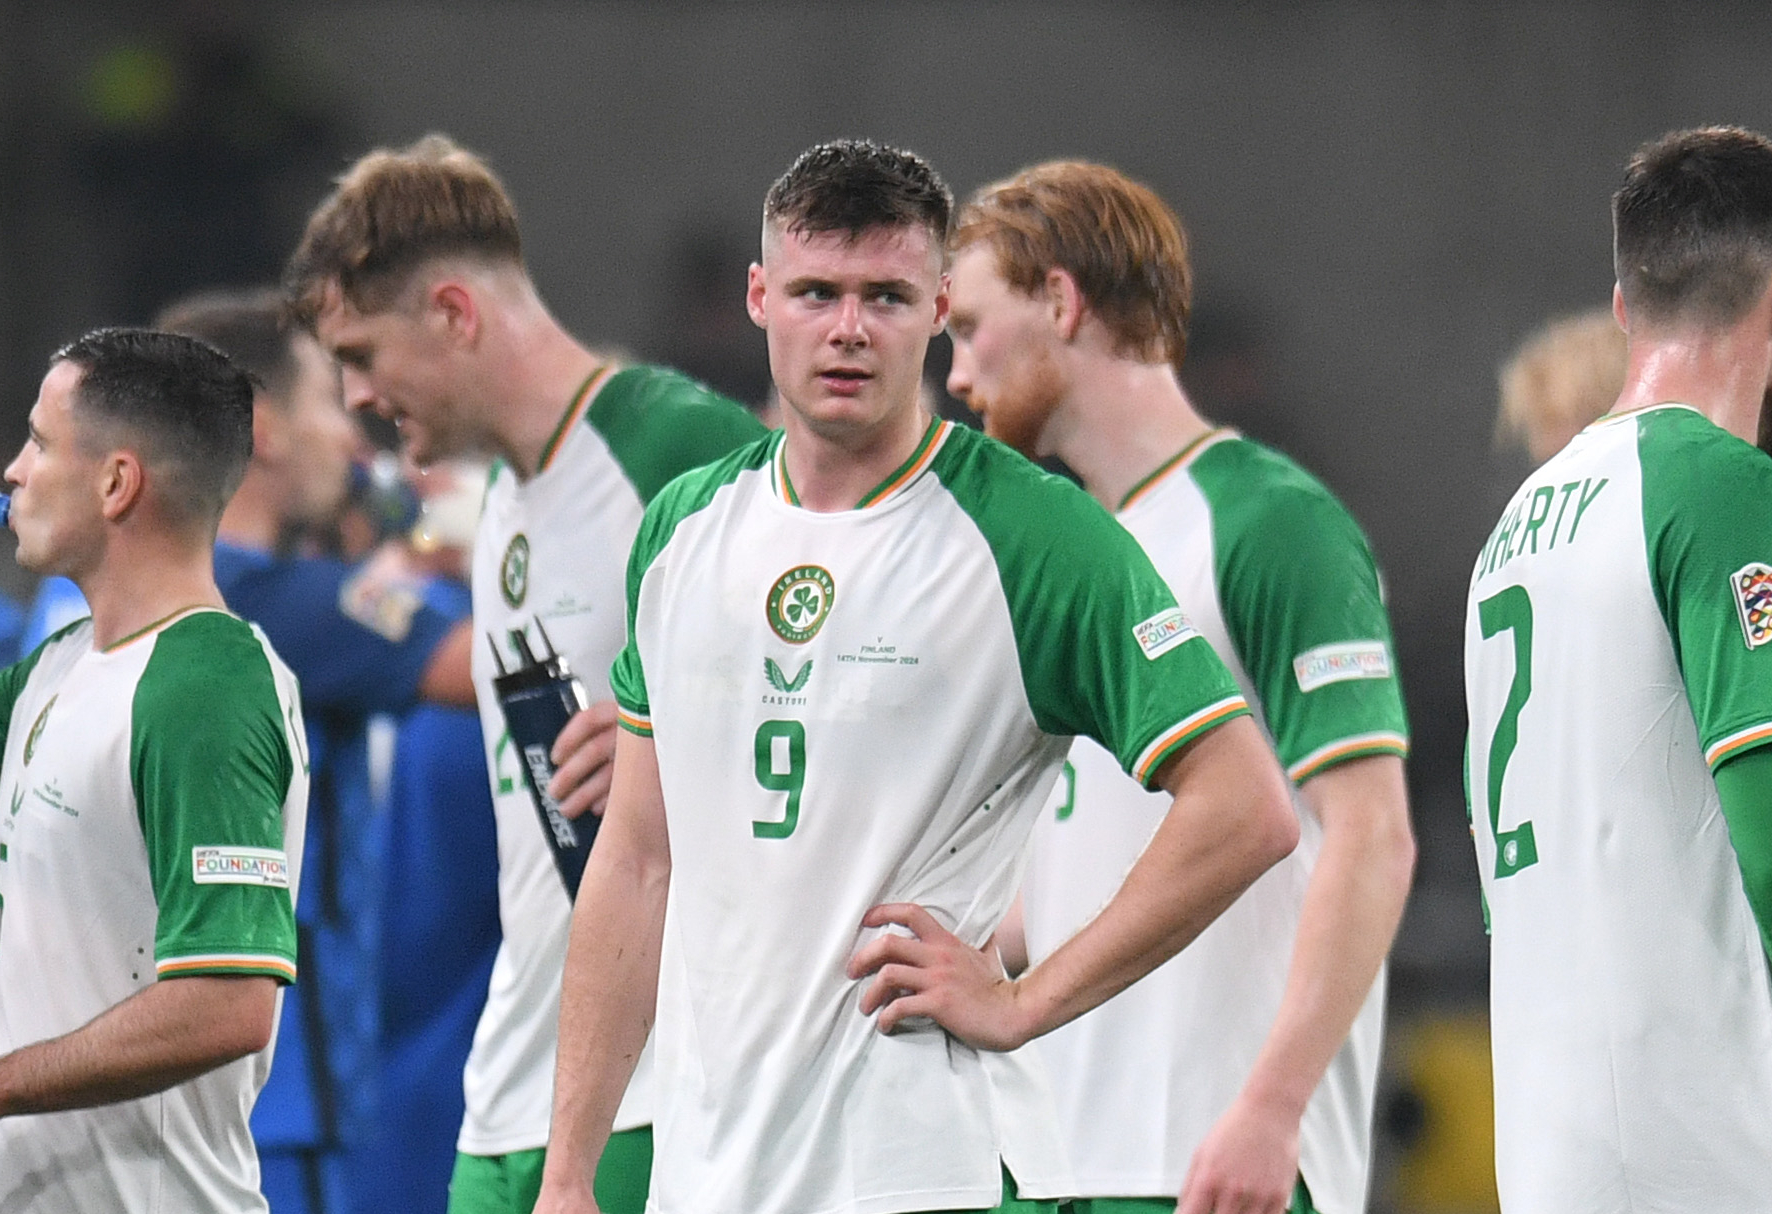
[
  {"x": 452, "y": 304},
  {"x": 1064, "y": 302},
  {"x": 754, "y": 297},
  {"x": 1618, "y": 313},
  {"x": 120, "y": 484},
  {"x": 943, "y": 301}
]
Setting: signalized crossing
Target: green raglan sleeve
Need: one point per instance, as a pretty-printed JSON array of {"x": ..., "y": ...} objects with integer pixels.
[
  {"x": 1104, "y": 650},
  {"x": 1710, "y": 554},
  {"x": 1710, "y": 559},
  {"x": 685, "y": 495},
  {"x": 659, "y": 424},
  {"x": 210, "y": 766},
  {"x": 1301, "y": 600}
]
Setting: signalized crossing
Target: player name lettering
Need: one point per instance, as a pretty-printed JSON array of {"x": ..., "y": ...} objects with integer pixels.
[{"x": 1523, "y": 529}]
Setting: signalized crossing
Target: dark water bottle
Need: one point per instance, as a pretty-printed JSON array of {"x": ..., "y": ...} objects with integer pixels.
[{"x": 538, "y": 698}]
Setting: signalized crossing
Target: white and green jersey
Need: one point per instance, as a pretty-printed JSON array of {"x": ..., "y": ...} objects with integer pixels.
[
  {"x": 154, "y": 799},
  {"x": 1276, "y": 575},
  {"x": 856, "y": 708},
  {"x": 1616, "y": 653},
  {"x": 554, "y": 548}
]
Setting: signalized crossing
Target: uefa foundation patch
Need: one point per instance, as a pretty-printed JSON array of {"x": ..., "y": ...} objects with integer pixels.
[
  {"x": 1163, "y": 632},
  {"x": 1752, "y": 588},
  {"x": 240, "y": 866},
  {"x": 1340, "y": 662}
]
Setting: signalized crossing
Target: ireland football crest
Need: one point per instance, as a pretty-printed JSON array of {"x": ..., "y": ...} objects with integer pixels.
[
  {"x": 37, "y": 729},
  {"x": 513, "y": 571},
  {"x": 799, "y": 602},
  {"x": 1752, "y": 585}
]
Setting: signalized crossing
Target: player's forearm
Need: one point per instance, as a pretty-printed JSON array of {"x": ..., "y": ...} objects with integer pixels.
[
  {"x": 166, "y": 1034},
  {"x": 448, "y": 675},
  {"x": 1231, "y": 821},
  {"x": 1352, "y": 906},
  {"x": 609, "y": 991}
]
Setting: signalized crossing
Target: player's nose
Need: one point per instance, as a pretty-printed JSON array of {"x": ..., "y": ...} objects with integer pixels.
[
  {"x": 848, "y": 329},
  {"x": 359, "y": 392},
  {"x": 960, "y": 377}
]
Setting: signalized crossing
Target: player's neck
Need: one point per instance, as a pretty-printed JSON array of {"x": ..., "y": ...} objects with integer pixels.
[
  {"x": 140, "y": 583},
  {"x": 1722, "y": 375},
  {"x": 251, "y": 519},
  {"x": 1124, "y": 420},
  {"x": 547, "y": 371},
  {"x": 833, "y": 470}
]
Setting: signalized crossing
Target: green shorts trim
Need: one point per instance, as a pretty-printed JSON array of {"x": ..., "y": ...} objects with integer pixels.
[
  {"x": 510, "y": 1183},
  {"x": 1301, "y": 1204}
]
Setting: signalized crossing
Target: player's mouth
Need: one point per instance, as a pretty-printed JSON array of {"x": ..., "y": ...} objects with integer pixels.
[{"x": 844, "y": 381}]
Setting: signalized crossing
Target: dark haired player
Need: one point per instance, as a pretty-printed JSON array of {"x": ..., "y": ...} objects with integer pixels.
[
  {"x": 1620, "y": 702},
  {"x": 155, "y": 782},
  {"x": 852, "y": 673}
]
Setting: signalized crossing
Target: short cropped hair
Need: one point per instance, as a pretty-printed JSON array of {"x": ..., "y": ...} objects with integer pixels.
[
  {"x": 1692, "y": 226},
  {"x": 1565, "y": 375},
  {"x": 181, "y": 404},
  {"x": 855, "y": 186},
  {"x": 252, "y": 326},
  {"x": 391, "y": 212},
  {"x": 1126, "y": 249}
]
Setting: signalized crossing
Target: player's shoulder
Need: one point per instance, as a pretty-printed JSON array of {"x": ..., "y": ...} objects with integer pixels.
[
  {"x": 1674, "y": 441},
  {"x": 693, "y": 491},
  {"x": 1017, "y": 505},
  {"x": 658, "y": 423},
  {"x": 1264, "y": 499},
  {"x": 210, "y": 653}
]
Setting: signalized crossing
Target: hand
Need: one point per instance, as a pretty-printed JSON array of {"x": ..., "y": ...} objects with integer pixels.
[
  {"x": 582, "y": 755},
  {"x": 1248, "y": 1164},
  {"x": 935, "y": 974}
]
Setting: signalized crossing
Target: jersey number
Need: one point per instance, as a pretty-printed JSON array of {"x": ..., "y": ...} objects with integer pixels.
[
  {"x": 1509, "y": 611},
  {"x": 781, "y": 767}
]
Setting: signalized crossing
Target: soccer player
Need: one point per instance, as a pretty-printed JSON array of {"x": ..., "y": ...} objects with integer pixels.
[
  {"x": 1621, "y": 794},
  {"x": 412, "y": 274},
  {"x": 857, "y": 652},
  {"x": 363, "y": 640},
  {"x": 155, "y": 780},
  {"x": 1561, "y": 378},
  {"x": 1254, "y": 1053}
]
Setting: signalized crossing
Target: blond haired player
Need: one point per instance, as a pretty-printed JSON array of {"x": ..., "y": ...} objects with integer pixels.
[{"x": 1562, "y": 377}]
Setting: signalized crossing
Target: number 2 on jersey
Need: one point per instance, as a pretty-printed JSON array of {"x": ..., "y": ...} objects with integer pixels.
[
  {"x": 1509, "y": 611},
  {"x": 781, "y": 767}
]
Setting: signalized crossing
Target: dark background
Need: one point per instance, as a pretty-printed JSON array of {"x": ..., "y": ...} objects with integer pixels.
[{"x": 1383, "y": 199}]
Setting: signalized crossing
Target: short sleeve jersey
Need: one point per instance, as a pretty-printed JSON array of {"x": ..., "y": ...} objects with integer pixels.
[
  {"x": 863, "y": 707},
  {"x": 152, "y": 826},
  {"x": 1274, "y": 572},
  {"x": 1618, "y": 648},
  {"x": 552, "y": 550}
]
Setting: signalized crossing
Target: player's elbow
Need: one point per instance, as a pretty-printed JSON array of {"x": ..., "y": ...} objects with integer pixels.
[
  {"x": 1274, "y": 830},
  {"x": 245, "y": 1020}
]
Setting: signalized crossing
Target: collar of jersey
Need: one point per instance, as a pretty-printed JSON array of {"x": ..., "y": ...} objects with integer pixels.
[
  {"x": 1179, "y": 460},
  {"x": 1600, "y": 423},
  {"x": 580, "y": 401},
  {"x": 165, "y": 621},
  {"x": 894, "y": 486}
]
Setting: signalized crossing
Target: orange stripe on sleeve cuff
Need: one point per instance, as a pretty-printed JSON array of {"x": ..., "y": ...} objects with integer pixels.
[
  {"x": 1382, "y": 742},
  {"x": 634, "y": 722},
  {"x": 1742, "y": 739},
  {"x": 1183, "y": 732},
  {"x": 226, "y": 963}
]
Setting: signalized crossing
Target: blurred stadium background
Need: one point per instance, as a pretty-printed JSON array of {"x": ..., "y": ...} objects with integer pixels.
[{"x": 1383, "y": 198}]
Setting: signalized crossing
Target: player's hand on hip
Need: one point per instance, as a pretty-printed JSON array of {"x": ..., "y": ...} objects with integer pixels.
[
  {"x": 582, "y": 757},
  {"x": 1247, "y": 1164},
  {"x": 934, "y": 973}
]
